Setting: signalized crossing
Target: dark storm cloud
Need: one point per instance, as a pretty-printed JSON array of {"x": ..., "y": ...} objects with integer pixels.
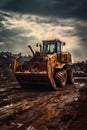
[
  {"x": 81, "y": 31},
  {"x": 60, "y": 8},
  {"x": 12, "y": 41}
]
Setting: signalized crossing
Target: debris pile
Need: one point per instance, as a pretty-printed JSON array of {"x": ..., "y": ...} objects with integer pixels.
[
  {"x": 33, "y": 66},
  {"x": 6, "y": 64},
  {"x": 81, "y": 69}
]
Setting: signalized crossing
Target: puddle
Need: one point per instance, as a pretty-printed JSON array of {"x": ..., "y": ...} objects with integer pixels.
[
  {"x": 2, "y": 89},
  {"x": 9, "y": 106},
  {"x": 76, "y": 83},
  {"x": 81, "y": 78},
  {"x": 82, "y": 84}
]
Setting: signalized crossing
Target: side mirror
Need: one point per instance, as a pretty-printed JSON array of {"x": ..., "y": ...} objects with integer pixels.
[{"x": 37, "y": 44}]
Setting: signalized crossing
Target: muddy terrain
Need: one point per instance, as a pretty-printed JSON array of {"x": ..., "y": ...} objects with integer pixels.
[{"x": 23, "y": 109}]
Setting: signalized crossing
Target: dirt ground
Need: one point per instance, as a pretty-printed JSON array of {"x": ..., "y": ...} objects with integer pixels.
[{"x": 22, "y": 109}]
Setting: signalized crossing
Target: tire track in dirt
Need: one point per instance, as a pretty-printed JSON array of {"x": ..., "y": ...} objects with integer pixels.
[{"x": 28, "y": 110}]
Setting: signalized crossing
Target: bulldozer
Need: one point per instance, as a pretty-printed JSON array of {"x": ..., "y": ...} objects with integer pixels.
[{"x": 48, "y": 67}]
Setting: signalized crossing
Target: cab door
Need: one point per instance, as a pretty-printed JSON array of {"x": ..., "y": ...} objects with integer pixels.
[{"x": 58, "y": 51}]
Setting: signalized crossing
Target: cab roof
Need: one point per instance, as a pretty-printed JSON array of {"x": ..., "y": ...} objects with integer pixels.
[{"x": 53, "y": 40}]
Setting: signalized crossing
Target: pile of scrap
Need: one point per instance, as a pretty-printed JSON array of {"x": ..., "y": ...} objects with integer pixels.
[
  {"x": 81, "y": 69},
  {"x": 33, "y": 66}
]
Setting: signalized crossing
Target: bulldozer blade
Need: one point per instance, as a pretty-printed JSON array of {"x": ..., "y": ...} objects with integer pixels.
[
  {"x": 34, "y": 80},
  {"x": 37, "y": 78}
]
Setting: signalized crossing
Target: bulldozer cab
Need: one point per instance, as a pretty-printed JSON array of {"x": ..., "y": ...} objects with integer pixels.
[{"x": 52, "y": 46}]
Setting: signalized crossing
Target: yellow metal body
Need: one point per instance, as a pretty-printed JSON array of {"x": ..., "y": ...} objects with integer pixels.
[{"x": 43, "y": 77}]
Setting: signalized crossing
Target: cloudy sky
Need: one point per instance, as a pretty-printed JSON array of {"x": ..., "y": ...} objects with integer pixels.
[{"x": 24, "y": 22}]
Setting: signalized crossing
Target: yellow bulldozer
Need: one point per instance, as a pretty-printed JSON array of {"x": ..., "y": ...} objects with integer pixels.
[{"x": 50, "y": 67}]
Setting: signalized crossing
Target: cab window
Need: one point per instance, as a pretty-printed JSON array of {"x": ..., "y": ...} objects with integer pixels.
[{"x": 49, "y": 47}]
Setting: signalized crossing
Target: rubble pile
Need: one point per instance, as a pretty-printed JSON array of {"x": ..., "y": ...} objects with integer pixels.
[
  {"x": 6, "y": 64},
  {"x": 33, "y": 66},
  {"x": 38, "y": 66},
  {"x": 81, "y": 69}
]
